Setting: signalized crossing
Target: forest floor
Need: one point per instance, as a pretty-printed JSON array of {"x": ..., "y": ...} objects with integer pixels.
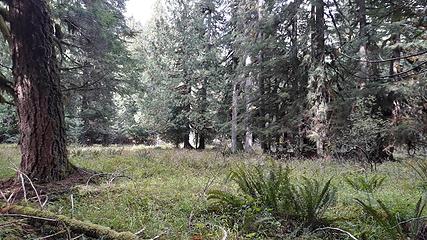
[{"x": 162, "y": 193}]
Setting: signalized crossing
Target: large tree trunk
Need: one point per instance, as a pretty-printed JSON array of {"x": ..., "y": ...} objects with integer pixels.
[{"x": 39, "y": 98}]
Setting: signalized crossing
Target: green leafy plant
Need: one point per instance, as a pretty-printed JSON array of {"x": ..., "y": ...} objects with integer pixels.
[
  {"x": 270, "y": 192},
  {"x": 417, "y": 223},
  {"x": 396, "y": 226},
  {"x": 311, "y": 199},
  {"x": 420, "y": 169},
  {"x": 365, "y": 184}
]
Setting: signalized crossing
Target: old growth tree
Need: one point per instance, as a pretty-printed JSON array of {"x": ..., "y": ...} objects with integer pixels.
[{"x": 36, "y": 90}]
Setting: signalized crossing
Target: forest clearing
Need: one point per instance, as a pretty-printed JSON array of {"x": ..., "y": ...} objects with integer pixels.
[
  {"x": 213, "y": 119},
  {"x": 164, "y": 193}
]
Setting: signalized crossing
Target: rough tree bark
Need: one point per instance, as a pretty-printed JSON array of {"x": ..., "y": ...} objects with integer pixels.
[{"x": 39, "y": 98}]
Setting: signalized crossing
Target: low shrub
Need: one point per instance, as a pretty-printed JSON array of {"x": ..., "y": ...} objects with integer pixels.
[
  {"x": 269, "y": 195},
  {"x": 396, "y": 224}
]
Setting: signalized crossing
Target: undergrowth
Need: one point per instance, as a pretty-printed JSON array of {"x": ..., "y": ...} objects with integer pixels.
[{"x": 167, "y": 195}]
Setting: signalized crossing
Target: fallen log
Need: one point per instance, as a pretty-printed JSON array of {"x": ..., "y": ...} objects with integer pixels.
[{"x": 75, "y": 226}]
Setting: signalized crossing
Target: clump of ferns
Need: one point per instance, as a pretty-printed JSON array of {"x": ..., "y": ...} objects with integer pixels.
[
  {"x": 395, "y": 224},
  {"x": 267, "y": 197},
  {"x": 420, "y": 170},
  {"x": 365, "y": 184}
]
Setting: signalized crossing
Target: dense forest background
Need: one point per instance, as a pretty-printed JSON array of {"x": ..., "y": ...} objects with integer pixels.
[
  {"x": 296, "y": 78},
  {"x": 273, "y": 80}
]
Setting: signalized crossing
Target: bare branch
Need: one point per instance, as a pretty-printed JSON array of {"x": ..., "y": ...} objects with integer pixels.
[
  {"x": 6, "y": 85},
  {"x": 386, "y": 60},
  {"x": 338, "y": 230}
]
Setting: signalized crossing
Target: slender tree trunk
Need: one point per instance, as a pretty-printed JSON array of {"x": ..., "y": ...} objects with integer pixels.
[
  {"x": 395, "y": 66},
  {"x": 254, "y": 35},
  {"x": 204, "y": 106},
  {"x": 234, "y": 118},
  {"x": 234, "y": 112},
  {"x": 39, "y": 98},
  {"x": 202, "y": 142},
  {"x": 318, "y": 95},
  {"x": 248, "y": 108},
  {"x": 187, "y": 144},
  {"x": 86, "y": 137},
  {"x": 187, "y": 111},
  {"x": 363, "y": 49},
  {"x": 263, "y": 117}
]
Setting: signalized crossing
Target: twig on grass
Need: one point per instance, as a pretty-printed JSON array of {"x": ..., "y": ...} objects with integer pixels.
[
  {"x": 52, "y": 235},
  {"x": 140, "y": 232},
  {"x": 160, "y": 235},
  {"x": 118, "y": 176},
  {"x": 7, "y": 199},
  {"x": 23, "y": 187},
  {"x": 22, "y": 175},
  {"x": 27, "y": 216},
  {"x": 114, "y": 176},
  {"x": 72, "y": 205},
  {"x": 79, "y": 236},
  {"x": 338, "y": 230},
  {"x": 411, "y": 220},
  {"x": 11, "y": 222}
]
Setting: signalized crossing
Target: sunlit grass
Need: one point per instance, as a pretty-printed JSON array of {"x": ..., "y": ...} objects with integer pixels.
[{"x": 167, "y": 191}]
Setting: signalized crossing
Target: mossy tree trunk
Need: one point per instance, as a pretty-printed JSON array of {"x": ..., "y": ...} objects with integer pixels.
[{"x": 318, "y": 85}]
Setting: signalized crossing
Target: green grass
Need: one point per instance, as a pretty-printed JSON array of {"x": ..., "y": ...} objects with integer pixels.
[{"x": 167, "y": 193}]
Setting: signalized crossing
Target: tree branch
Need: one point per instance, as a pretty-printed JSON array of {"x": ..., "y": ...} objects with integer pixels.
[
  {"x": 4, "y": 13},
  {"x": 6, "y": 85},
  {"x": 4, "y": 29},
  {"x": 386, "y": 60}
]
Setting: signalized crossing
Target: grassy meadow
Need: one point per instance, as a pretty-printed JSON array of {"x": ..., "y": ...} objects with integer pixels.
[{"x": 166, "y": 195}]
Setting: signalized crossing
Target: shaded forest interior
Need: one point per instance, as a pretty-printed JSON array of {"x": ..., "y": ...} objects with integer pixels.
[
  {"x": 313, "y": 79},
  {"x": 272, "y": 81}
]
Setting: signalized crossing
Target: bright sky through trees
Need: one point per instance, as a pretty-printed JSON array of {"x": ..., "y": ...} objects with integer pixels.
[{"x": 140, "y": 10}]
